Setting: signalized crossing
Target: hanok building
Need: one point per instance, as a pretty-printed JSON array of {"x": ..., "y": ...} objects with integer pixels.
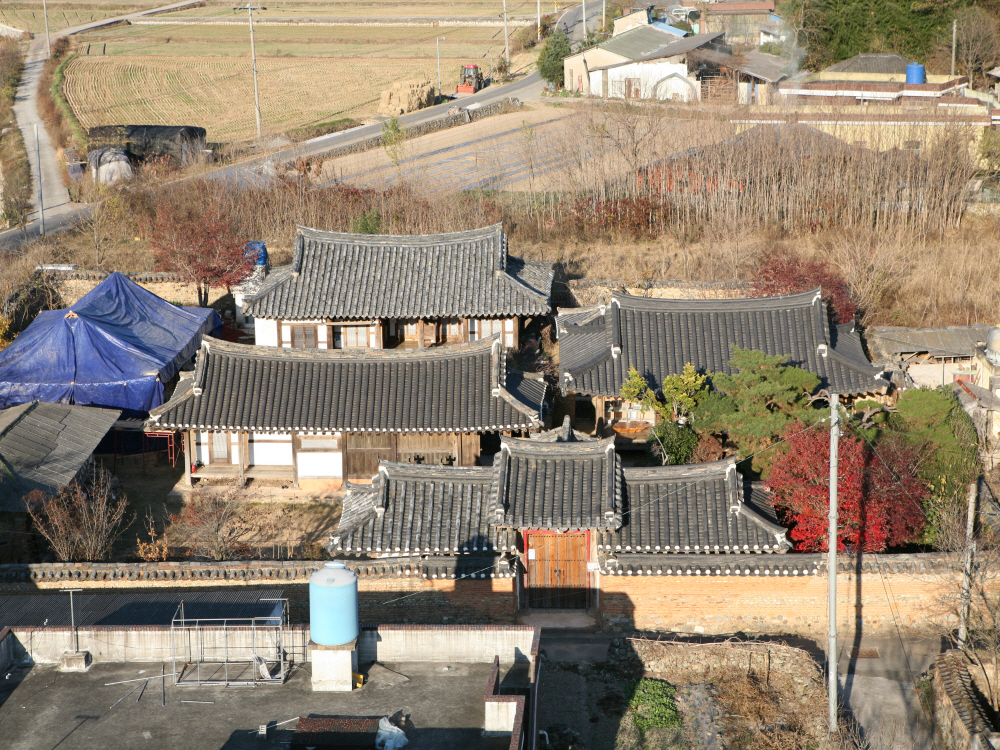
[
  {"x": 598, "y": 345},
  {"x": 315, "y": 417},
  {"x": 556, "y": 512},
  {"x": 360, "y": 291}
]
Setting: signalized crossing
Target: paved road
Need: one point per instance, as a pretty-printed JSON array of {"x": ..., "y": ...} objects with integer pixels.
[
  {"x": 61, "y": 215},
  {"x": 571, "y": 20},
  {"x": 58, "y": 208}
]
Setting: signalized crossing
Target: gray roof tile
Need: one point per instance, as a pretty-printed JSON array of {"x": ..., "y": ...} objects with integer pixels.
[
  {"x": 465, "y": 388},
  {"x": 418, "y": 508},
  {"x": 693, "y": 508},
  {"x": 889, "y": 342},
  {"x": 557, "y": 484},
  {"x": 659, "y": 336},
  {"x": 359, "y": 276},
  {"x": 43, "y": 447}
]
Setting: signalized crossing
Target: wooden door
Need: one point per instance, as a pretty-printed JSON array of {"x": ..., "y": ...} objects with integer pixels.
[
  {"x": 557, "y": 571},
  {"x": 362, "y": 452}
]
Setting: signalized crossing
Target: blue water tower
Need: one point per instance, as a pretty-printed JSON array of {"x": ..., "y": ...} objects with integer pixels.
[
  {"x": 915, "y": 73},
  {"x": 333, "y": 605}
]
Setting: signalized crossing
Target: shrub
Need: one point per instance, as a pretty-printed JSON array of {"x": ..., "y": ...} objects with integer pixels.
[
  {"x": 672, "y": 443},
  {"x": 783, "y": 272},
  {"x": 879, "y": 496},
  {"x": 550, "y": 59},
  {"x": 652, "y": 706}
]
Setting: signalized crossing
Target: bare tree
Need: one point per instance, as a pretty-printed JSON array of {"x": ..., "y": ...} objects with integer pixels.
[
  {"x": 978, "y": 42},
  {"x": 84, "y": 520},
  {"x": 223, "y": 525}
]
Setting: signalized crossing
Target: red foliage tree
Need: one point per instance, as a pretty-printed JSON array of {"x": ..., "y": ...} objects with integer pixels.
[
  {"x": 782, "y": 272},
  {"x": 879, "y": 498},
  {"x": 199, "y": 243}
]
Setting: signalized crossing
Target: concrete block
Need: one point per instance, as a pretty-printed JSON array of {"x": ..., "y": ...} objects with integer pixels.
[
  {"x": 333, "y": 667},
  {"x": 75, "y": 661}
]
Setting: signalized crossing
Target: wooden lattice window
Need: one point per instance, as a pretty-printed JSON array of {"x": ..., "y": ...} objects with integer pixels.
[{"x": 303, "y": 337}]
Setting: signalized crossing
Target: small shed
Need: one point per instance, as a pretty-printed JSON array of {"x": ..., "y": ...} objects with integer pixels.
[
  {"x": 180, "y": 144},
  {"x": 42, "y": 447}
]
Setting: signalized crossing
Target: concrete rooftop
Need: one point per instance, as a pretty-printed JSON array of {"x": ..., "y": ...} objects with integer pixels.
[{"x": 42, "y": 708}]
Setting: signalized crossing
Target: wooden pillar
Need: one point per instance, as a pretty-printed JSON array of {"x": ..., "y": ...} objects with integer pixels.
[
  {"x": 295, "y": 459},
  {"x": 465, "y": 330},
  {"x": 420, "y": 333},
  {"x": 517, "y": 333},
  {"x": 379, "y": 335},
  {"x": 243, "y": 457},
  {"x": 189, "y": 456}
]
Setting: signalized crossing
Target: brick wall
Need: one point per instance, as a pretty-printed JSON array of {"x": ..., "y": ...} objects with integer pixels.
[{"x": 715, "y": 605}]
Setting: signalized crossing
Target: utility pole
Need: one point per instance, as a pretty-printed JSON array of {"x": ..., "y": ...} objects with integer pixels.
[
  {"x": 506, "y": 38},
  {"x": 604, "y": 15},
  {"x": 72, "y": 618},
  {"x": 970, "y": 549},
  {"x": 48, "y": 44},
  {"x": 438, "y": 42},
  {"x": 253, "y": 58},
  {"x": 538, "y": 23},
  {"x": 584, "y": 23},
  {"x": 954, "y": 44},
  {"x": 831, "y": 655},
  {"x": 41, "y": 194}
]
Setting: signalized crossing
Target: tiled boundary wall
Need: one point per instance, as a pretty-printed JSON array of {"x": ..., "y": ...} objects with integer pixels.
[
  {"x": 397, "y": 593},
  {"x": 913, "y": 592}
]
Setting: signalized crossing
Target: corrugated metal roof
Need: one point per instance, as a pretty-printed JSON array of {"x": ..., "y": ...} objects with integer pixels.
[
  {"x": 870, "y": 63},
  {"x": 949, "y": 341},
  {"x": 134, "y": 608},
  {"x": 674, "y": 47},
  {"x": 43, "y": 446}
]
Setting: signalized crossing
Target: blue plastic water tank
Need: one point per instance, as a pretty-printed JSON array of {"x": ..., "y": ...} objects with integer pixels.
[
  {"x": 914, "y": 73},
  {"x": 333, "y": 605}
]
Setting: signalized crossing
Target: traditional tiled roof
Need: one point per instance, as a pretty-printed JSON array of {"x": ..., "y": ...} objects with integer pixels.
[
  {"x": 659, "y": 336},
  {"x": 414, "y": 508},
  {"x": 337, "y": 276},
  {"x": 693, "y": 509},
  {"x": 465, "y": 388},
  {"x": 562, "y": 483},
  {"x": 43, "y": 447}
]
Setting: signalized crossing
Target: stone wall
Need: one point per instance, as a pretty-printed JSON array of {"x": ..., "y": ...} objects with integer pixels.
[
  {"x": 586, "y": 292},
  {"x": 912, "y": 592},
  {"x": 72, "y": 285},
  {"x": 701, "y": 662}
]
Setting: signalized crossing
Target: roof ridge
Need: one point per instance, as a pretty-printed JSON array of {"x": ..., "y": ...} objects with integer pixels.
[
  {"x": 680, "y": 471},
  {"x": 398, "y": 239},
  {"x": 654, "y": 304},
  {"x": 255, "y": 351},
  {"x": 399, "y": 469}
]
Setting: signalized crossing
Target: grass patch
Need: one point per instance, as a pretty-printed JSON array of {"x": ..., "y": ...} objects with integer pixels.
[
  {"x": 323, "y": 128},
  {"x": 652, "y": 705}
]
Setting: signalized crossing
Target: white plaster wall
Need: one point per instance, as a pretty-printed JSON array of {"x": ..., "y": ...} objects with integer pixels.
[
  {"x": 649, "y": 75},
  {"x": 265, "y": 332},
  {"x": 441, "y": 643},
  {"x": 499, "y": 717},
  {"x": 321, "y": 464},
  {"x": 147, "y": 644},
  {"x": 271, "y": 453}
]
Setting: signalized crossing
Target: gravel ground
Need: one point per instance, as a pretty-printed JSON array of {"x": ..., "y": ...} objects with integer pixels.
[{"x": 701, "y": 716}]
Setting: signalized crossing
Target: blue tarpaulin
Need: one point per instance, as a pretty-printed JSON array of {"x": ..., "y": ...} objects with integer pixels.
[{"x": 115, "y": 347}]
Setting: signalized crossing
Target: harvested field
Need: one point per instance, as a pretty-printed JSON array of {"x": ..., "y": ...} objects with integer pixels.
[
  {"x": 29, "y": 16},
  {"x": 376, "y": 8},
  {"x": 217, "y": 93}
]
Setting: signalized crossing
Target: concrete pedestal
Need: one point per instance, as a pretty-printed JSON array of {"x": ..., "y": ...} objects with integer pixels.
[
  {"x": 332, "y": 667},
  {"x": 75, "y": 661}
]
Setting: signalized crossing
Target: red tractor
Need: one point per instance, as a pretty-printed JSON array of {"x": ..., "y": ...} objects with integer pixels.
[{"x": 470, "y": 80}]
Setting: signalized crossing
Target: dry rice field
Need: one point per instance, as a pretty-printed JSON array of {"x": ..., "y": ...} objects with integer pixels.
[
  {"x": 30, "y": 16},
  {"x": 217, "y": 93}
]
